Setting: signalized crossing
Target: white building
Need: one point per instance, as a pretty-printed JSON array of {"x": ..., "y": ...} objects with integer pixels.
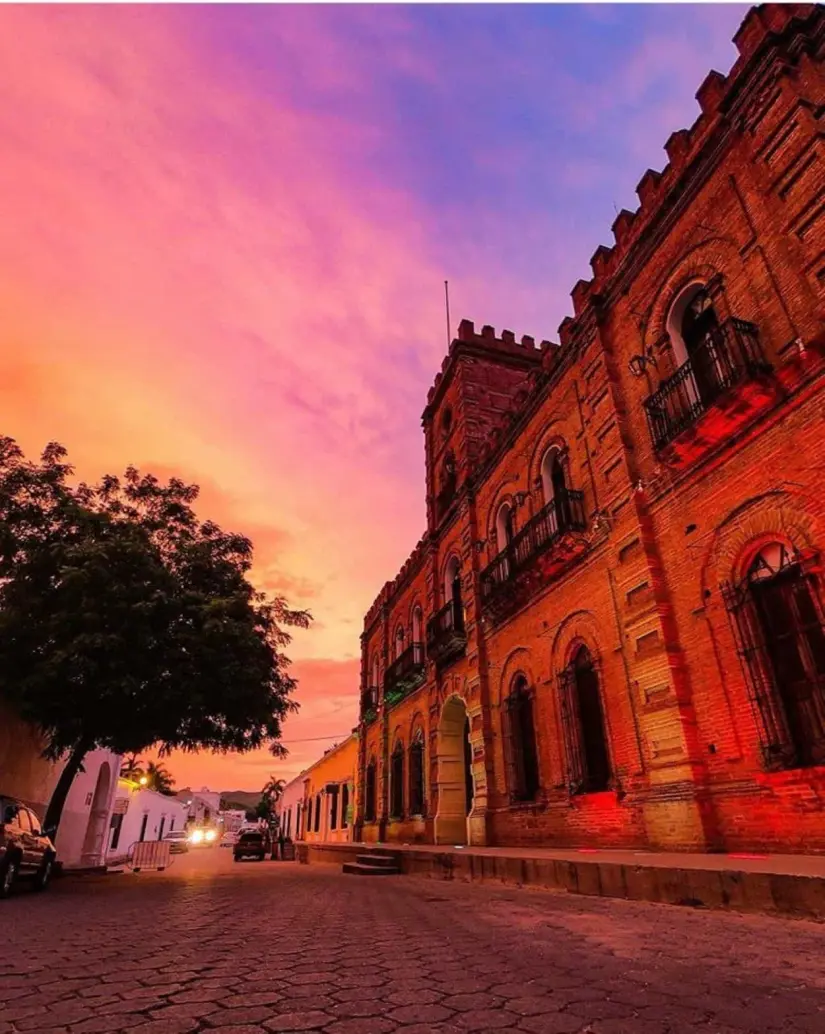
[
  {"x": 233, "y": 820},
  {"x": 27, "y": 775},
  {"x": 290, "y": 808},
  {"x": 203, "y": 805},
  {"x": 141, "y": 814},
  {"x": 84, "y": 825}
]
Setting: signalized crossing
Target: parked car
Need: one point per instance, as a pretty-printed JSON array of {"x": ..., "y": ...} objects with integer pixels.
[
  {"x": 252, "y": 843},
  {"x": 25, "y": 850},
  {"x": 178, "y": 840}
]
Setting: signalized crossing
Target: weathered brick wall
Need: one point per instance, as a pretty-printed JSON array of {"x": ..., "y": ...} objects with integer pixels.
[{"x": 738, "y": 208}]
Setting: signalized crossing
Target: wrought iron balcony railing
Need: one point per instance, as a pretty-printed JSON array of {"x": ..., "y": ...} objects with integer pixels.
[
  {"x": 562, "y": 514},
  {"x": 405, "y": 674},
  {"x": 730, "y": 355},
  {"x": 446, "y": 636}
]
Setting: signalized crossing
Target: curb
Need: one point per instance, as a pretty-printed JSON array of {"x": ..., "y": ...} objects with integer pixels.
[{"x": 731, "y": 890}]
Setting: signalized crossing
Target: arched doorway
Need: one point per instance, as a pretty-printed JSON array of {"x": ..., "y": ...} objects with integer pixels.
[
  {"x": 94, "y": 843},
  {"x": 455, "y": 774}
]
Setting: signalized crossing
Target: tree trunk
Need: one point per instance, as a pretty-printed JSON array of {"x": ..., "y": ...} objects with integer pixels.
[{"x": 61, "y": 791}]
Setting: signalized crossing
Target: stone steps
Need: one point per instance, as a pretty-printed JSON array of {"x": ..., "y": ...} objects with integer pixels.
[{"x": 373, "y": 864}]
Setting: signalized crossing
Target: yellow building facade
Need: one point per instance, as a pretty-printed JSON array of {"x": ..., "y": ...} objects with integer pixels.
[{"x": 317, "y": 806}]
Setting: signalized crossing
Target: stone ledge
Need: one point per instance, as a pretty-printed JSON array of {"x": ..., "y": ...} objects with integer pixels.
[{"x": 714, "y": 885}]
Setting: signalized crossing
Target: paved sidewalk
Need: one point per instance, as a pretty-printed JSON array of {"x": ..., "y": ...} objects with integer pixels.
[
  {"x": 771, "y": 884},
  {"x": 786, "y": 864}
]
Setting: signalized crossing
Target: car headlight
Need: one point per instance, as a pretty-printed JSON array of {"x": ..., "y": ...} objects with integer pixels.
[
  {"x": 197, "y": 836},
  {"x": 211, "y": 834}
]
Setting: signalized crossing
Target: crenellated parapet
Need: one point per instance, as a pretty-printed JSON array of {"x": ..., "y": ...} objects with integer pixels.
[
  {"x": 716, "y": 97},
  {"x": 389, "y": 591},
  {"x": 502, "y": 345}
]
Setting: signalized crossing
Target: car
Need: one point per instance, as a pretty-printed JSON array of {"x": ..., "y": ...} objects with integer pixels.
[
  {"x": 252, "y": 843},
  {"x": 202, "y": 837},
  {"x": 229, "y": 839},
  {"x": 178, "y": 841},
  {"x": 25, "y": 850}
]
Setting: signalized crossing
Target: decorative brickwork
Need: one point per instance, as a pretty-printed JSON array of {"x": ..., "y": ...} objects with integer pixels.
[{"x": 594, "y": 508}]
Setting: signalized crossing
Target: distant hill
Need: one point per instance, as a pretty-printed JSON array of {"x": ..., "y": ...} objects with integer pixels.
[{"x": 239, "y": 799}]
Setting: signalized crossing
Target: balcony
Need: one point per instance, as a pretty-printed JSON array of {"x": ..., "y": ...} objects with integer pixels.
[
  {"x": 712, "y": 394},
  {"x": 369, "y": 705},
  {"x": 405, "y": 674},
  {"x": 535, "y": 554},
  {"x": 446, "y": 637}
]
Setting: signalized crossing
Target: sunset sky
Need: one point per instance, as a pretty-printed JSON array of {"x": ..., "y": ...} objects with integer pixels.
[{"x": 224, "y": 233}]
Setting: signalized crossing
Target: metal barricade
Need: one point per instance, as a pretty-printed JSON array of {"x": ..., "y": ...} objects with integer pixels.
[{"x": 149, "y": 854}]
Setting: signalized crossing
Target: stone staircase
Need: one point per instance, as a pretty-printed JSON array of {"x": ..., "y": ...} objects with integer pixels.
[{"x": 373, "y": 863}]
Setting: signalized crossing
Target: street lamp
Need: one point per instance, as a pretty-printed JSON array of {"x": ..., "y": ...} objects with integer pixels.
[{"x": 143, "y": 780}]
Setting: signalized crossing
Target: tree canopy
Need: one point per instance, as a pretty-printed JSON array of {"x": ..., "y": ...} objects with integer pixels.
[{"x": 127, "y": 622}]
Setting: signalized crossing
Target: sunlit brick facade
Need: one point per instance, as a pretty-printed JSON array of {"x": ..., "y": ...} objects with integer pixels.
[{"x": 611, "y": 633}]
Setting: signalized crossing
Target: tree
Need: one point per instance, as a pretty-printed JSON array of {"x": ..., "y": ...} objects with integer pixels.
[
  {"x": 126, "y": 622},
  {"x": 159, "y": 778},
  {"x": 273, "y": 790},
  {"x": 132, "y": 769}
]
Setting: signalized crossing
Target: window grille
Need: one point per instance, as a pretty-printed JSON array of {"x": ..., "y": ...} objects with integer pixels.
[
  {"x": 369, "y": 794},
  {"x": 397, "y": 782},
  {"x": 776, "y": 615},
  {"x": 344, "y": 805},
  {"x": 585, "y": 742},
  {"x": 333, "y": 808},
  {"x": 520, "y": 743},
  {"x": 417, "y": 774}
]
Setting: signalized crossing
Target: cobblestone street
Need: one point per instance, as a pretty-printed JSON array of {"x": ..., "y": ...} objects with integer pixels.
[{"x": 277, "y": 948}]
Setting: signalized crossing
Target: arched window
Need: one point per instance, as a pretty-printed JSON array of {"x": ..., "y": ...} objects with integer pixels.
[
  {"x": 504, "y": 526},
  {"x": 345, "y": 806},
  {"x": 397, "y": 781},
  {"x": 452, "y": 592},
  {"x": 418, "y": 635},
  {"x": 520, "y": 740},
  {"x": 317, "y": 813},
  {"x": 416, "y": 797},
  {"x": 554, "y": 488},
  {"x": 399, "y": 641},
  {"x": 695, "y": 335},
  {"x": 448, "y": 482},
  {"x": 588, "y": 760},
  {"x": 779, "y": 619},
  {"x": 374, "y": 683},
  {"x": 369, "y": 792}
]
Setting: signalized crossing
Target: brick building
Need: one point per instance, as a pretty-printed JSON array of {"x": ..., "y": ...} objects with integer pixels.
[{"x": 611, "y": 633}]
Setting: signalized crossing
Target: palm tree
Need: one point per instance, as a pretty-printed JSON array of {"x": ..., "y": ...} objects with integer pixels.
[
  {"x": 273, "y": 791},
  {"x": 132, "y": 768},
  {"x": 159, "y": 778}
]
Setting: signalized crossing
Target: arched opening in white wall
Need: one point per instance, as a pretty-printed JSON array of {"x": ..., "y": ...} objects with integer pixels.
[{"x": 94, "y": 842}]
